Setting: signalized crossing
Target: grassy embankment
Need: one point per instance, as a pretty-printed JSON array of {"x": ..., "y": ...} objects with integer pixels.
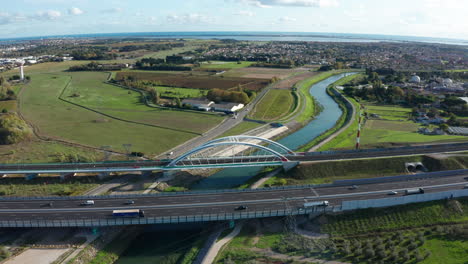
[
  {"x": 47, "y": 186},
  {"x": 274, "y": 105},
  {"x": 327, "y": 172}
]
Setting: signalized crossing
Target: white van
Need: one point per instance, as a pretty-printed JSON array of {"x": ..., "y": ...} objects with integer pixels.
[{"x": 89, "y": 202}]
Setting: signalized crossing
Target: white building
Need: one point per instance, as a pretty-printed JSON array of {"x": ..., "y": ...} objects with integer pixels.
[
  {"x": 227, "y": 107},
  {"x": 200, "y": 103}
]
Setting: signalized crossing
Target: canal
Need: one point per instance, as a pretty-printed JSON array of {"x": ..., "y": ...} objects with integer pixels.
[{"x": 331, "y": 112}]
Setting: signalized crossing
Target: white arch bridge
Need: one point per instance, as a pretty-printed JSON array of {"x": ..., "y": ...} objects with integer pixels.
[{"x": 235, "y": 151}]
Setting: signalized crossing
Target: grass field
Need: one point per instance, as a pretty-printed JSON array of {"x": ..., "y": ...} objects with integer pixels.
[
  {"x": 446, "y": 250},
  {"x": 125, "y": 104},
  {"x": 226, "y": 65},
  {"x": 393, "y": 127},
  {"x": 173, "y": 92},
  {"x": 274, "y": 105},
  {"x": 241, "y": 128},
  {"x": 39, "y": 104}
]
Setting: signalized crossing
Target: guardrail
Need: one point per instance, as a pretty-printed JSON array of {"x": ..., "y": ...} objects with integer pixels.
[{"x": 159, "y": 220}]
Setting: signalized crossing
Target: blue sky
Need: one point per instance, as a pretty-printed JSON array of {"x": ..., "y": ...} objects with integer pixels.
[{"x": 432, "y": 18}]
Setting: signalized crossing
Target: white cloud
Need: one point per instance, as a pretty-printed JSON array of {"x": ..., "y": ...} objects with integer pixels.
[
  {"x": 245, "y": 13},
  {"x": 303, "y": 3},
  {"x": 75, "y": 11},
  {"x": 7, "y": 18},
  {"x": 287, "y": 19},
  {"x": 193, "y": 18},
  {"x": 48, "y": 15},
  {"x": 113, "y": 10}
]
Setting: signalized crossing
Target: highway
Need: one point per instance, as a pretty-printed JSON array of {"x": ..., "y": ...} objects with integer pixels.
[
  {"x": 160, "y": 164},
  {"x": 217, "y": 203}
]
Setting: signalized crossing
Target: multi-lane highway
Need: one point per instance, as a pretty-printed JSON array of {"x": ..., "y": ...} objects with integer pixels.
[
  {"x": 160, "y": 164},
  {"x": 181, "y": 205}
]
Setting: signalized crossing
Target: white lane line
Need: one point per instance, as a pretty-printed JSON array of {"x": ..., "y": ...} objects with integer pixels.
[{"x": 314, "y": 191}]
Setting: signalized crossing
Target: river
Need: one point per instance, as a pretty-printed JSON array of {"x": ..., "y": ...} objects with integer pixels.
[{"x": 331, "y": 112}]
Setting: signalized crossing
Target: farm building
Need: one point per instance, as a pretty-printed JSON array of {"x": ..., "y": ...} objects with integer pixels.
[
  {"x": 199, "y": 103},
  {"x": 458, "y": 131},
  {"x": 227, "y": 107}
]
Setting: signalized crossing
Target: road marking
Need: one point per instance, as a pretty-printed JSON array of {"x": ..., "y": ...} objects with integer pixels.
[{"x": 314, "y": 191}]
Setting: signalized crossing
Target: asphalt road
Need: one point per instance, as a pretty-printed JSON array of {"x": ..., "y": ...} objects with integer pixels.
[{"x": 217, "y": 203}]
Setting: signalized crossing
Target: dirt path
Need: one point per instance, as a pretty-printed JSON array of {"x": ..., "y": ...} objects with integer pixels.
[{"x": 215, "y": 248}]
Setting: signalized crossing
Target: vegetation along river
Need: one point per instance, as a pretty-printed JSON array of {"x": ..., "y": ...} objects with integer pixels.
[{"x": 331, "y": 112}]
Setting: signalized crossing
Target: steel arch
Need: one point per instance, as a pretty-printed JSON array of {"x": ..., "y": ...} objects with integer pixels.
[
  {"x": 235, "y": 139},
  {"x": 212, "y": 145}
]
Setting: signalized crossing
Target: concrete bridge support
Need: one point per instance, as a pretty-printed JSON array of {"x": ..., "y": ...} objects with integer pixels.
[{"x": 288, "y": 165}]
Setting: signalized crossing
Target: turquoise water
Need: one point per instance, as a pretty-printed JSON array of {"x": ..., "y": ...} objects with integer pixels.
[{"x": 229, "y": 178}]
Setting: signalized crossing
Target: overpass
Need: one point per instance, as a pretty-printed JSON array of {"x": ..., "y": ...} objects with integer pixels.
[
  {"x": 221, "y": 205},
  {"x": 235, "y": 151}
]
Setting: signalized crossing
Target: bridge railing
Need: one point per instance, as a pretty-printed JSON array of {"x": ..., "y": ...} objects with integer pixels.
[
  {"x": 162, "y": 220},
  {"x": 264, "y": 189}
]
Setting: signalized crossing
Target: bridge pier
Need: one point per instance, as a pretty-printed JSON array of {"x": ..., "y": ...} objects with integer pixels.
[
  {"x": 288, "y": 165},
  {"x": 30, "y": 176}
]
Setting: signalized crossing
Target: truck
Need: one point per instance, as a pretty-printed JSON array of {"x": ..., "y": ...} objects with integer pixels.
[
  {"x": 128, "y": 213},
  {"x": 414, "y": 191},
  {"x": 319, "y": 203}
]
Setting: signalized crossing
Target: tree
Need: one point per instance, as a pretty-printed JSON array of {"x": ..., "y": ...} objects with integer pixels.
[
  {"x": 443, "y": 127},
  {"x": 178, "y": 102}
]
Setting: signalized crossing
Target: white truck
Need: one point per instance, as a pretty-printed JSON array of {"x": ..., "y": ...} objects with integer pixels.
[{"x": 318, "y": 203}]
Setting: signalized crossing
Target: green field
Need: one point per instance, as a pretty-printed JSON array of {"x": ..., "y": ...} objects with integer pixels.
[
  {"x": 446, "y": 250},
  {"x": 125, "y": 104},
  {"x": 173, "y": 92},
  {"x": 226, "y": 65},
  {"x": 55, "y": 118},
  {"x": 393, "y": 127},
  {"x": 274, "y": 105},
  {"x": 241, "y": 129}
]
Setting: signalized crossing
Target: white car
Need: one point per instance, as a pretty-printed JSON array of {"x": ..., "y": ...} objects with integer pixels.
[{"x": 393, "y": 193}]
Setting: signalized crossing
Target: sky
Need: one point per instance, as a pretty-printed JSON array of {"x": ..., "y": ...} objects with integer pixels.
[{"x": 430, "y": 18}]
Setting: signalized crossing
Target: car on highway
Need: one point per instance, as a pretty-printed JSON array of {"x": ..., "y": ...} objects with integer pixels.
[
  {"x": 466, "y": 186},
  {"x": 89, "y": 202},
  {"x": 353, "y": 187},
  {"x": 393, "y": 193},
  {"x": 128, "y": 202},
  {"x": 466, "y": 178},
  {"x": 241, "y": 207}
]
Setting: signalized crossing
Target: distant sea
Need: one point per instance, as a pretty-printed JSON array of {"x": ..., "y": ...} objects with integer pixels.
[{"x": 260, "y": 36}]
